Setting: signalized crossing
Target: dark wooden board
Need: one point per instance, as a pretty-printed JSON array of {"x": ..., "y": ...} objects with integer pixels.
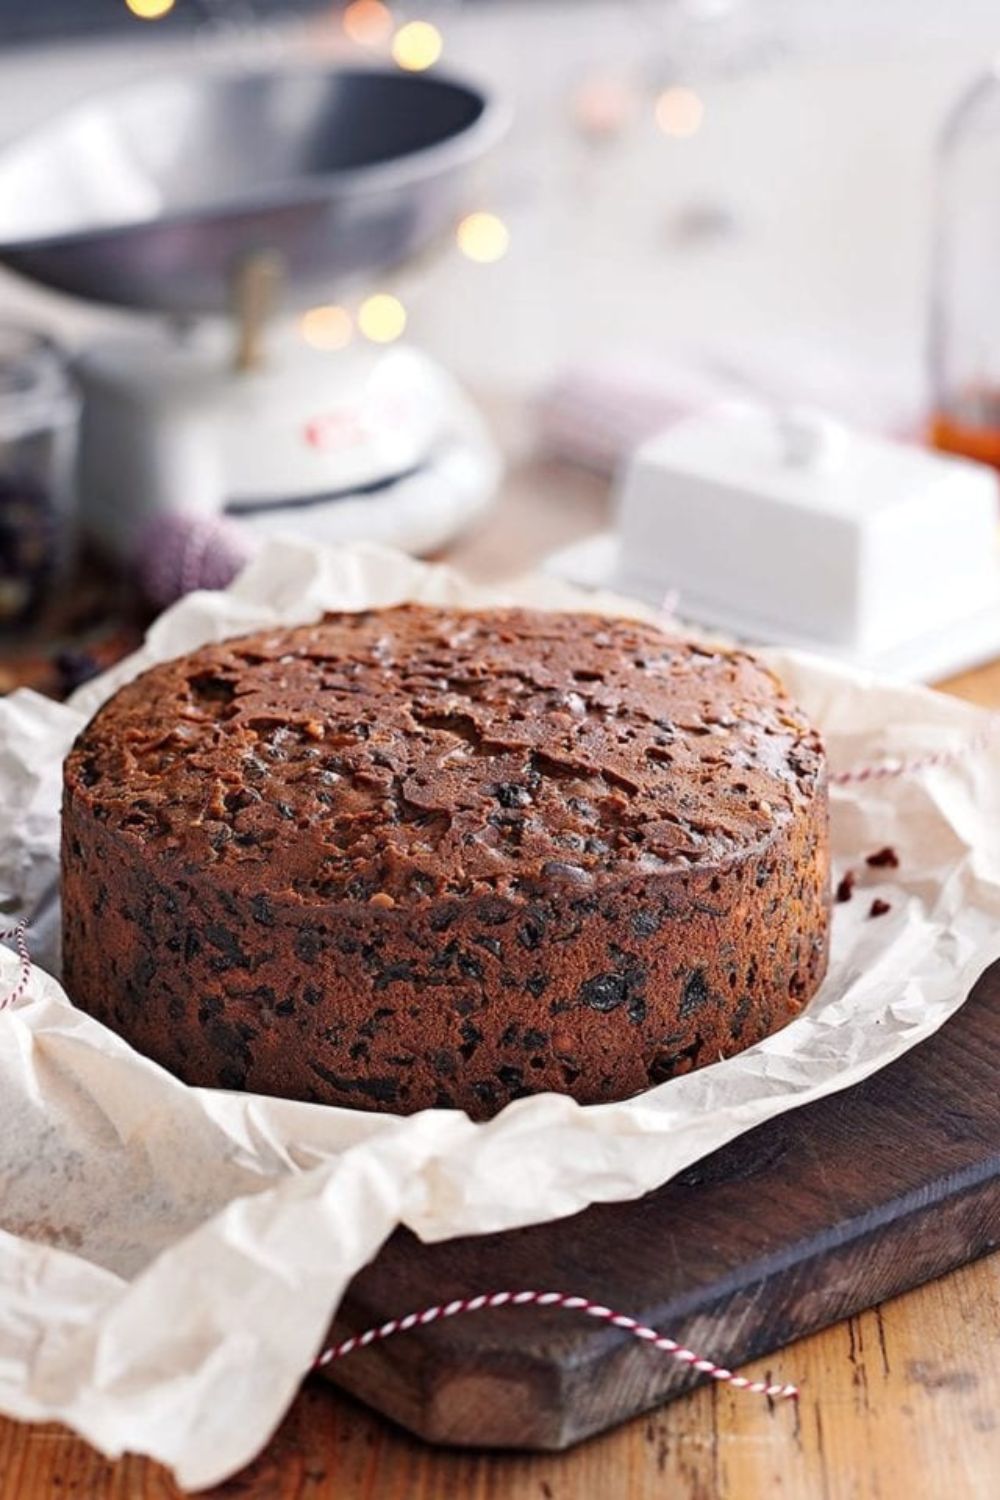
[{"x": 799, "y": 1223}]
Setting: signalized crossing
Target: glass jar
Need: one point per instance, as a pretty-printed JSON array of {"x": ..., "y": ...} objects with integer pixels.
[
  {"x": 965, "y": 297},
  {"x": 38, "y": 423}
]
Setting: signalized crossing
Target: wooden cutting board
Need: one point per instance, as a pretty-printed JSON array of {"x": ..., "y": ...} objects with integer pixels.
[{"x": 799, "y": 1223}]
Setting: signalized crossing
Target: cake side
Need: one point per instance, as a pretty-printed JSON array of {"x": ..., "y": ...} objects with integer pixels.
[
  {"x": 422, "y": 857},
  {"x": 469, "y": 1002}
]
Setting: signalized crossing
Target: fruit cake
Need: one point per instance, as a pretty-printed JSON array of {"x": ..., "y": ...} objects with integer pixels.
[{"x": 423, "y": 856}]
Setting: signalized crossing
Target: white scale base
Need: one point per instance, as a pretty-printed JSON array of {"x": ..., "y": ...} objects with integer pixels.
[{"x": 366, "y": 444}]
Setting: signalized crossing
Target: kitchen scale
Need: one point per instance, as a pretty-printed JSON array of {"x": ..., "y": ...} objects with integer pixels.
[{"x": 223, "y": 202}]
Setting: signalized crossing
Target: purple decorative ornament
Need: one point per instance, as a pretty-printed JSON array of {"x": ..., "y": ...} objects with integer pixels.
[{"x": 177, "y": 553}]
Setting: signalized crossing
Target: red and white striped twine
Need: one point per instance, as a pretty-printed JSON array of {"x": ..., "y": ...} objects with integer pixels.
[
  {"x": 892, "y": 768},
  {"x": 568, "y": 1303},
  {"x": 20, "y": 943}
]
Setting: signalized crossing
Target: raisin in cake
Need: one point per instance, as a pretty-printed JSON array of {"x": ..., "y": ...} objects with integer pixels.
[{"x": 420, "y": 856}]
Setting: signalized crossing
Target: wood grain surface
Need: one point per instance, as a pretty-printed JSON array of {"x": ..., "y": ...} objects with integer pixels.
[
  {"x": 900, "y": 1401},
  {"x": 813, "y": 1216}
]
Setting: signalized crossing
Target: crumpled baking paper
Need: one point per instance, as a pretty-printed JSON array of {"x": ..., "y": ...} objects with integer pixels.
[{"x": 170, "y": 1258}]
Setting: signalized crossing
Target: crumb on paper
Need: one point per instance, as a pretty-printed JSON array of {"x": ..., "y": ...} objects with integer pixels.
[
  {"x": 845, "y": 886},
  {"x": 883, "y": 859},
  {"x": 879, "y": 907}
]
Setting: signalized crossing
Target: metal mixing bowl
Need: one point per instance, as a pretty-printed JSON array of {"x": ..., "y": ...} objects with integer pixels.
[{"x": 150, "y": 195}]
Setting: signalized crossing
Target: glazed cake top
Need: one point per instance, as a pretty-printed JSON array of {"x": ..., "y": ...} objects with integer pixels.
[{"x": 401, "y": 754}]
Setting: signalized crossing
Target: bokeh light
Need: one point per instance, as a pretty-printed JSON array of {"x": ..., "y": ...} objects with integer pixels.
[
  {"x": 679, "y": 111},
  {"x": 417, "y": 46},
  {"x": 382, "y": 318},
  {"x": 604, "y": 105},
  {"x": 150, "y": 10},
  {"x": 483, "y": 237},
  {"x": 368, "y": 22},
  {"x": 327, "y": 327}
]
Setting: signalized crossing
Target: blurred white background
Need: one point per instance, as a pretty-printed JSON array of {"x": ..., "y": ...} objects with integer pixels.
[{"x": 791, "y": 210}]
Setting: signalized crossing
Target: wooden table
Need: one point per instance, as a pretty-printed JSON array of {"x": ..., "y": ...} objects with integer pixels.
[{"x": 902, "y": 1401}]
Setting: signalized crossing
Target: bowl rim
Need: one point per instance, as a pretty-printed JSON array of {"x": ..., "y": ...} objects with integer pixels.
[{"x": 399, "y": 172}]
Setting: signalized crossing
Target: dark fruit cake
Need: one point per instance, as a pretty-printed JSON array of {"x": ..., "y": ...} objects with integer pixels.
[{"x": 419, "y": 856}]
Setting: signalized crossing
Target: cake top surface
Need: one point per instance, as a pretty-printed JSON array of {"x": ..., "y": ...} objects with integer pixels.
[{"x": 413, "y": 752}]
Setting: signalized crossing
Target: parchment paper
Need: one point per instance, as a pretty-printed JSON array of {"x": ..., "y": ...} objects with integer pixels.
[{"x": 170, "y": 1258}]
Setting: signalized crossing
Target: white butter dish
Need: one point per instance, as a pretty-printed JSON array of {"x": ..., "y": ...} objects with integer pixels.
[{"x": 788, "y": 528}]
